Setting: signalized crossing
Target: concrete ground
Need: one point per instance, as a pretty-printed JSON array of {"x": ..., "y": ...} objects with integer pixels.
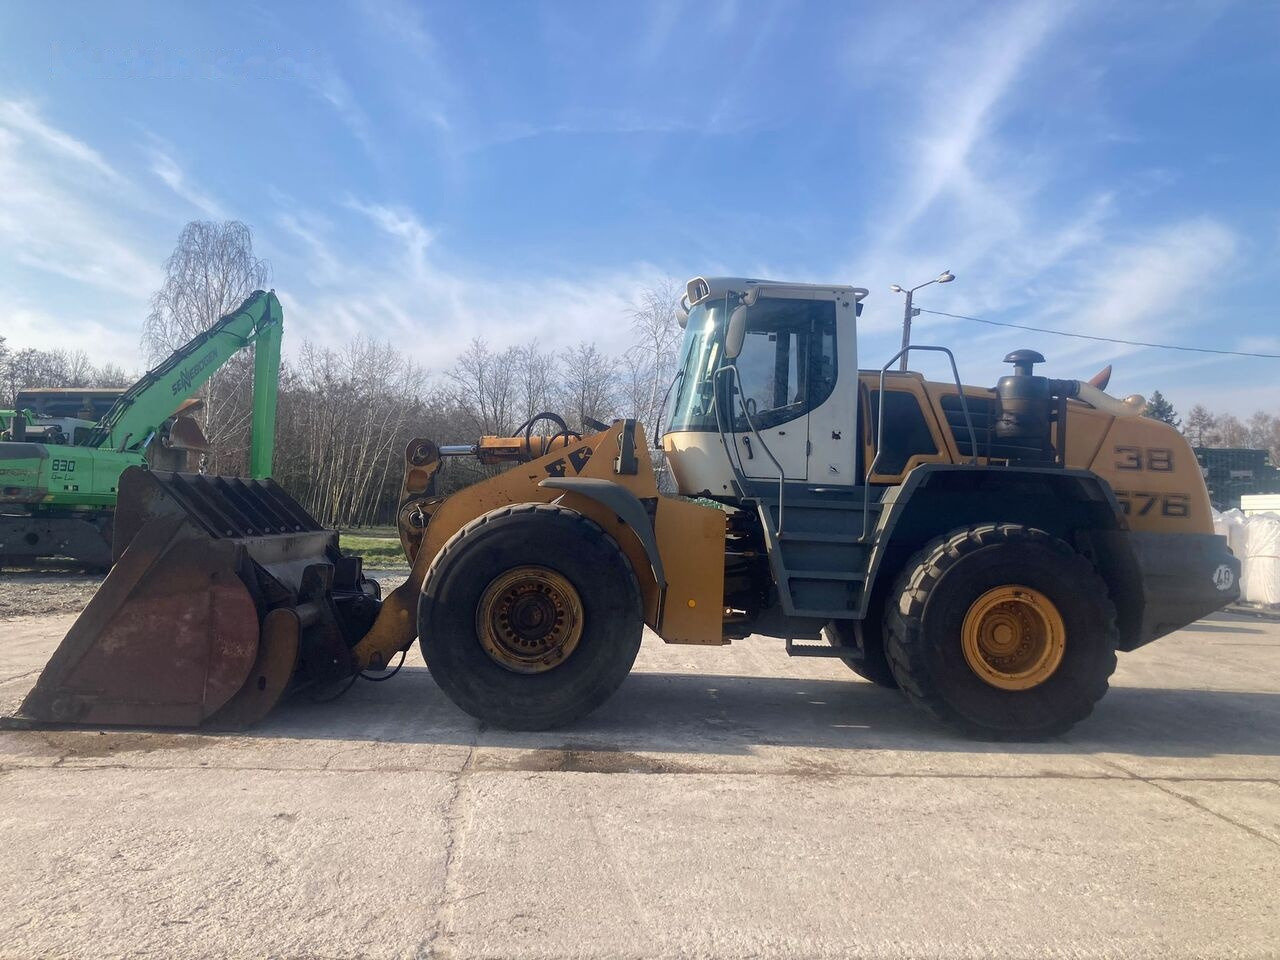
[{"x": 728, "y": 803}]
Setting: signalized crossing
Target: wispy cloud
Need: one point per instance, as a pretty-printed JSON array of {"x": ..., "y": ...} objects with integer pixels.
[
  {"x": 327, "y": 84},
  {"x": 1148, "y": 284},
  {"x": 23, "y": 118},
  {"x": 167, "y": 169},
  {"x": 397, "y": 283},
  {"x": 420, "y": 81},
  {"x": 664, "y": 16},
  {"x": 403, "y": 23},
  {"x": 964, "y": 97},
  {"x": 402, "y": 225},
  {"x": 959, "y": 199},
  {"x": 50, "y": 219},
  {"x": 972, "y": 200}
]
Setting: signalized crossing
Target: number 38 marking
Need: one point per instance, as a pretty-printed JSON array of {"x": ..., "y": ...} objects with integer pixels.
[
  {"x": 1140, "y": 503},
  {"x": 1158, "y": 459}
]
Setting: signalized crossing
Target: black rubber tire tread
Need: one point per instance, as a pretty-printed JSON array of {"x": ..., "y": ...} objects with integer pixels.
[
  {"x": 873, "y": 665},
  {"x": 576, "y": 547},
  {"x": 916, "y": 654}
]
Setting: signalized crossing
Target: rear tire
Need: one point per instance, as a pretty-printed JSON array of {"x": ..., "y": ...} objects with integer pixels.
[
  {"x": 530, "y": 617},
  {"x": 867, "y": 638},
  {"x": 1002, "y": 631}
]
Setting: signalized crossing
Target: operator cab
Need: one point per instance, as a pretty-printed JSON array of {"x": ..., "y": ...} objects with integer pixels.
[{"x": 759, "y": 386}]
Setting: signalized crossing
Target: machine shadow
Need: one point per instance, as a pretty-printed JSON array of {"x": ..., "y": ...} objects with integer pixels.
[{"x": 731, "y": 715}]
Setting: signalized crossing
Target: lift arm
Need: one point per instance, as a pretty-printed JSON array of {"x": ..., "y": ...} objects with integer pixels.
[{"x": 138, "y": 413}]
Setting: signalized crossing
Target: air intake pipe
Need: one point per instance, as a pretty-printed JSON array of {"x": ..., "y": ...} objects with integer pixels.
[
  {"x": 1130, "y": 406},
  {"x": 1026, "y": 401}
]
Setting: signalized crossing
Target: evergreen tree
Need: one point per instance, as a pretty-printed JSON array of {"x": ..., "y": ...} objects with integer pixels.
[{"x": 1158, "y": 408}]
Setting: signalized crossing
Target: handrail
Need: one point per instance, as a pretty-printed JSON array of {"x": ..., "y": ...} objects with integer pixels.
[
  {"x": 742, "y": 473},
  {"x": 964, "y": 408}
]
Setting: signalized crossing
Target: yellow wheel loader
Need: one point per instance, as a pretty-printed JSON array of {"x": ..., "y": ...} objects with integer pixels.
[{"x": 987, "y": 550}]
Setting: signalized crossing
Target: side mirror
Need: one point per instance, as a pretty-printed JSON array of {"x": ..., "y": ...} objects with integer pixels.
[
  {"x": 682, "y": 311},
  {"x": 735, "y": 332}
]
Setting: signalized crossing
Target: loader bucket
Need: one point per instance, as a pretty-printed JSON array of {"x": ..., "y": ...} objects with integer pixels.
[{"x": 223, "y": 594}]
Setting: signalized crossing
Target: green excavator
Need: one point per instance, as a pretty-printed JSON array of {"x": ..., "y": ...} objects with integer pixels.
[{"x": 59, "y": 480}]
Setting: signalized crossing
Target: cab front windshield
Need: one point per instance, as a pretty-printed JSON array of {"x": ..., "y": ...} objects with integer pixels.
[
  {"x": 692, "y": 405},
  {"x": 785, "y": 367}
]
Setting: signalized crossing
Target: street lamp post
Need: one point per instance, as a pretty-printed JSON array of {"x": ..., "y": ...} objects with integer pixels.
[{"x": 945, "y": 277}]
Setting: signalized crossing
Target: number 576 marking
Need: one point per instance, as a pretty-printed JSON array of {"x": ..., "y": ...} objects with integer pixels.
[{"x": 1141, "y": 503}]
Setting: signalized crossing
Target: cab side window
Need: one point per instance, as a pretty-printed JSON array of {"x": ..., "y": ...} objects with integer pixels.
[{"x": 787, "y": 365}]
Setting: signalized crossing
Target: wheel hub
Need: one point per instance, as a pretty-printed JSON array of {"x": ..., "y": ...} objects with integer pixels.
[
  {"x": 529, "y": 619},
  {"x": 1013, "y": 637}
]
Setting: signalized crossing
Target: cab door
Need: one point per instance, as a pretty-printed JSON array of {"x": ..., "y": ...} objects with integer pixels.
[{"x": 785, "y": 369}]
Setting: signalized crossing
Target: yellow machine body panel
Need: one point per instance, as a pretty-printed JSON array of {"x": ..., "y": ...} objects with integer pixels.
[
  {"x": 1155, "y": 476},
  {"x": 942, "y": 450},
  {"x": 691, "y": 543},
  {"x": 690, "y": 540},
  {"x": 1149, "y": 464}
]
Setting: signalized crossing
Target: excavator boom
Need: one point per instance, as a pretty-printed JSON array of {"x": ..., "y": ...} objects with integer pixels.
[
  {"x": 138, "y": 413},
  {"x": 58, "y": 497}
]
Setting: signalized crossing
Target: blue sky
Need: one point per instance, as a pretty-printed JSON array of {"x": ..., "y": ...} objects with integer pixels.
[{"x": 425, "y": 173}]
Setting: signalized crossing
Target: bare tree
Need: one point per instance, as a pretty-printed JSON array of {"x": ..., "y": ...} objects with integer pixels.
[
  {"x": 210, "y": 272},
  {"x": 1201, "y": 426},
  {"x": 534, "y": 374},
  {"x": 588, "y": 383},
  {"x": 33, "y": 368},
  {"x": 1231, "y": 432},
  {"x": 1264, "y": 433},
  {"x": 649, "y": 364},
  {"x": 112, "y": 375},
  {"x": 1204, "y": 428},
  {"x": 483, "y": 381},
  {"x": 344, "y": 420}
]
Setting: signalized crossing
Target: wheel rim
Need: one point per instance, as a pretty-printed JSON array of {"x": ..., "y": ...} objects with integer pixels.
[
  {"x": 1013, "y": 637},
  {"x": 529, "y": 619}
]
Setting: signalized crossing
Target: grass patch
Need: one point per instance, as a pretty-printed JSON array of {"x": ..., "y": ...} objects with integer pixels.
[{"x": 379, "y": 552}]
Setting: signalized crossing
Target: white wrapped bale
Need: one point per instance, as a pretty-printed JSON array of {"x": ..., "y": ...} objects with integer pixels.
[
  {"x": 1260, "y": 579},
  {"x": 1231, "y": 525}
]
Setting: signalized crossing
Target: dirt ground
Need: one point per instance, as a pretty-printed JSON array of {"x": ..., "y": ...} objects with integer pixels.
[
  {"x": 38, "y": 592},
  {"x": 52, "y": 589}
]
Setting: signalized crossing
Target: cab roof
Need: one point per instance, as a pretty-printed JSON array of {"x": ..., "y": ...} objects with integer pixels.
[{"x": 705, "y": 288}]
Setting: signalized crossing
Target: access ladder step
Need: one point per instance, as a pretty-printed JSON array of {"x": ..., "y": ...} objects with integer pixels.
[
  {"x": 802, "y": 537},
  {"x": 848, "y": 576},
  {"x": 821, "y": 650},
  {"x": 808, "y": 503}
]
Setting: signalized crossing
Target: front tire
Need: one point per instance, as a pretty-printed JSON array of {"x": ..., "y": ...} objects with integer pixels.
[
  {"x": 1002, "y": 631},
  {"x": 530, "y": 617},
  {"x": 867, "y": 638}
]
